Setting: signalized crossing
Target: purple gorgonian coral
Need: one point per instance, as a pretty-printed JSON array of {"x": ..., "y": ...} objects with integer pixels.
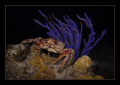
[{"x": 70, "y": 34}]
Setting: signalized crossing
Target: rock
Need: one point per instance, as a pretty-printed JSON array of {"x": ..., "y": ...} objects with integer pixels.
[
  {"x": 24, "y": 64},
  {"x": 17, "y": 52}
]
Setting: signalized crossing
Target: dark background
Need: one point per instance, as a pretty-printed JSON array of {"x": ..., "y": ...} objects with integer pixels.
[{"x": 20, "y": 24}]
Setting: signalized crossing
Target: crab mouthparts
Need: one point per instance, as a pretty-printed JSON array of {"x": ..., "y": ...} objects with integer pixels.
[{"x": 52, "y": 50}]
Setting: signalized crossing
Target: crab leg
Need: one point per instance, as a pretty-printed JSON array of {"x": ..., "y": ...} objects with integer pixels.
[
  {"x": 64, "y": 61},
  {"x": 71, "y": 57},
  {"x": 39, "y": 55},
  {"x": 61, "y": 56},
  {"x": 27, "y": 41},
  {"x": 48, "y": 53}
]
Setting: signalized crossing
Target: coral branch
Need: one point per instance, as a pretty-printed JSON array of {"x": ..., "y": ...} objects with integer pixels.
[
  {"x": 69, "y": 33},
  {"x": 90, "y": 48}
]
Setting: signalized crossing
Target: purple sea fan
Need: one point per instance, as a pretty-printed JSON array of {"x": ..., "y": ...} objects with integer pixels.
[{"x": 69, "y": 33}]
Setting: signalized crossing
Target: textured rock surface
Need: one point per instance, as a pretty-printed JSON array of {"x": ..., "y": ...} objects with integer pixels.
[{"x": 31, "y": 68}]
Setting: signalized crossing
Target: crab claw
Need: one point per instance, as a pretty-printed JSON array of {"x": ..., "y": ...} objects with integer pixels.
[{"x": 27, "y": 41}]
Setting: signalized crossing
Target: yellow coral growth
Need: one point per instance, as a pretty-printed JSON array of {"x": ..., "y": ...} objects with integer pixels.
[
  {"x": 44, "y": 72},
  {"x": 90, "y": 77},
  {"x": 99, "y": 77},
  {"x": 36, "y": 62},
  {"x": 82, "y": 64}
]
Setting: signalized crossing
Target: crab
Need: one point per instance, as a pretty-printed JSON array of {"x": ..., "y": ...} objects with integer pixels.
[{"x": 55, "y": 46}]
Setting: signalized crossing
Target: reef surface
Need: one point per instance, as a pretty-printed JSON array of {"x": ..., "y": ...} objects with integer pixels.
[{"x": 22, "y": 63}]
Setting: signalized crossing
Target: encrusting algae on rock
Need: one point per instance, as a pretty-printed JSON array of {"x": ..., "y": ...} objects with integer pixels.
[
  {"x": 44, "y": 71},
  {"x": 82, "y": 64},
  {"x": 90, "y": 77}
]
